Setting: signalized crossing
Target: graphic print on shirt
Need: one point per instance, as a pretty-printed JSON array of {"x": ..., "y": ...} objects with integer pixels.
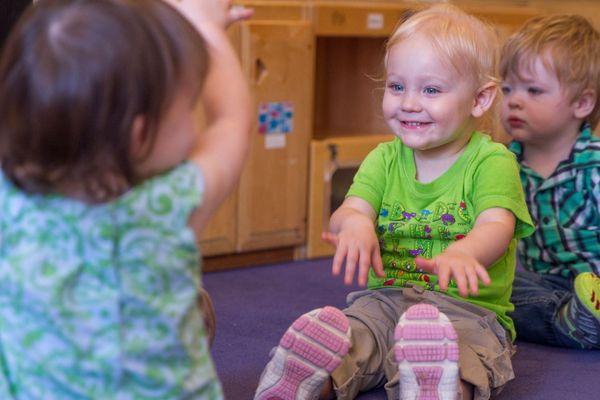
[{"x": 405, "y": 234}]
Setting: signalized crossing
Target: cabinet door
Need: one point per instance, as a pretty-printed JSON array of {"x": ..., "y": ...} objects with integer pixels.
[
  {"x": 220, "y": 234},
  {"x": 278, "y": 58}
]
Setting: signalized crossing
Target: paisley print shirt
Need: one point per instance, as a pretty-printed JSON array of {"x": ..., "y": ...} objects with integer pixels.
[{"x": 99, "y": 301}]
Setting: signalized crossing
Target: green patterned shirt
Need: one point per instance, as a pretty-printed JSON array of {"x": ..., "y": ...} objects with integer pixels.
[
  {"x": 423, "y": 219},
  {"x": 565, "y": 208},
  {"x": 99, "y": 301}
]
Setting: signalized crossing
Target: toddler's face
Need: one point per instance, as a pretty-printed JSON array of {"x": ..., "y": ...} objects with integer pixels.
[
  {"x": 427, "y": 103},
  {"x": 535, "y": 106}
]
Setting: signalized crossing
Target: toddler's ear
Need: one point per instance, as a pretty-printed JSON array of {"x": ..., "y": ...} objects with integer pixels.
[
  {"x": 138, "y": 138},
  {"x": 585, "y": 103},
  {"x": 484, "y": 98}
]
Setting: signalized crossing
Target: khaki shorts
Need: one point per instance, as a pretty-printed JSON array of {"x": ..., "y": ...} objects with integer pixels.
[{"x": 484, "y": 345}]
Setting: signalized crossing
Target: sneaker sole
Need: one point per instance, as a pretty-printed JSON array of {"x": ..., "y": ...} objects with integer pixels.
[
  {"x": 426, "y": 350},
  {"x": 311, "y": 348},
  {"x": 587, "y": 289}
]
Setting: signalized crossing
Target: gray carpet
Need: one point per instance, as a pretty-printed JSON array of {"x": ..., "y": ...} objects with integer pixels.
[{"x": 255, "y": 306}]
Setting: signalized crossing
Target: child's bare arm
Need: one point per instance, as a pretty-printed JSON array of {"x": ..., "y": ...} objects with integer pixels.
[
  {"x": 352, "y": 232},
  {"x": 223, "y": 145},
  {"x": 466, "y": 260}
]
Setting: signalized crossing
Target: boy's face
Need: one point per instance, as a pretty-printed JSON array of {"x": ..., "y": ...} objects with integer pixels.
[
  {"x": 427, "y": 103},
  {"x": 535, "y": 107}
]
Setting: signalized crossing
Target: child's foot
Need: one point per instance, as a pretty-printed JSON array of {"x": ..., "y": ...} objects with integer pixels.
[
  {"x": 587, "y": 290},
  {"x": 308, "y": 352},
  {"x": 427, "y": 354},
  {"x": 580, "y": 317}
]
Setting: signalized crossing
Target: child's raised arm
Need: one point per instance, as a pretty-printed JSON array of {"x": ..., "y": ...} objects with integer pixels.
[{"x": 223, "y": 145}]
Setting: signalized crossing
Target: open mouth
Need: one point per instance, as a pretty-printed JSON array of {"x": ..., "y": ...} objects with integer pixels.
[{"x": 414, "y": 124}]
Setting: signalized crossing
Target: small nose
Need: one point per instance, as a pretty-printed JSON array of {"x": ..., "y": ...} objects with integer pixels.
[
  {"x": 410, "y": 102},
  {"x": 513, "y": 100}
]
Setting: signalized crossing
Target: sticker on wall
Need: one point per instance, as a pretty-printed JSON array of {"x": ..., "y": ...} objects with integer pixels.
[
  {"x": 276, "y": 117},
  {"x": 375, "y": 21},
  {"x": 275, "y": 141}
]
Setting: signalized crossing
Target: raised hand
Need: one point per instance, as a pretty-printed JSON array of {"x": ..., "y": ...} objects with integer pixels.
[{"x": 218, "y": 12}]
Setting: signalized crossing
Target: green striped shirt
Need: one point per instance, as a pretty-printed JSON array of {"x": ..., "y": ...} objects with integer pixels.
[{"x": 565, "y": 208}]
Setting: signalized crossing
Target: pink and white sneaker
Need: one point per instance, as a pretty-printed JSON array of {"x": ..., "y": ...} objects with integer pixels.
[
  {"x": 311, "y": 348},
  {"x": 427, "y": 354}
]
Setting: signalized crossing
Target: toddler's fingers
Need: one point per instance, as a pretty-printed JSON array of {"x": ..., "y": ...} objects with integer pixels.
[
  {"x": 338, "y": 258},
  {"x": 330, "y": 238},
  {"x": 351, "y": 260},
  {"x": 443, "y": 278},
  {"x": 363, "y": 267},
  {"x": 425, "y": 264},
  {"x": 238, "y": 13},
  {"x": 483, "y": 275},
  {"x": 461, "y": 282},
  {"x": 377, "y": 263},
  {"x": 473, "y": 281}
]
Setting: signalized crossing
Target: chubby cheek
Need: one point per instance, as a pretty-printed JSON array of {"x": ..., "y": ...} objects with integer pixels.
[
  {"x": 190, "y": 135},
  {"x": 504, "y": 111},
  {"x": 505, "y": 125},
  {"x": 388, "y": 106},
  {"x": 389, "y": 115}
]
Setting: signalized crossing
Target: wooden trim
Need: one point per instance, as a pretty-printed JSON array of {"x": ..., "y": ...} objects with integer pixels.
[{"x": 230, "y": 261}]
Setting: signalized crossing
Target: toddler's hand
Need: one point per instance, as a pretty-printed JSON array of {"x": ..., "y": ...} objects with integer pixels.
[
  {"x": 218, "y": 12},
  {"x": 238, "y": 13},
  {"x": 465, "y": 270},
  {"x": 358, "y": 247}
]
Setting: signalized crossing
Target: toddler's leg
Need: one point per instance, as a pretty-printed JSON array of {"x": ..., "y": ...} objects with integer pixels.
[
  {"x": 537, "y": 299},
  {"x": 427, "y": 354},
  {"x": 580, "y": 317},
  {"x": 308, "y": 352}
]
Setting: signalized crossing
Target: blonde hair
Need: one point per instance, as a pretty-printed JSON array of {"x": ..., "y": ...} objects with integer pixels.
[
  {"x": 567, "y": 44},
  {"x": 469, "y": 44}
]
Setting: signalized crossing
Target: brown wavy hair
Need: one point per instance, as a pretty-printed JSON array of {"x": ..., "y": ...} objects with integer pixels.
[{"x": 74, "y": 74}]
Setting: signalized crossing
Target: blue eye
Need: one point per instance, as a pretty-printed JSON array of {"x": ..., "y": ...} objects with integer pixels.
[
  {"x": 431, "y": 90},
  {"x": 534, "y": 90},
  {"x": 505, "y": 89},
  {"x": 396, "y": 87}
]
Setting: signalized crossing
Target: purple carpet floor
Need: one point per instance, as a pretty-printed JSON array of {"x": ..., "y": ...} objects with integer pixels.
[{"x": 255, "y": 306}]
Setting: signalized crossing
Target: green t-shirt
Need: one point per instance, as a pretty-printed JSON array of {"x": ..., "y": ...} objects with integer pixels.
[{"x": 423, "y": 219}]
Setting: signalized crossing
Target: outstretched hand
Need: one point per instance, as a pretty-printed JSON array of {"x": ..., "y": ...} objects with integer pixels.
[
  {"x": 465, "y": 270},
  {"x": 357, "y": 251}
]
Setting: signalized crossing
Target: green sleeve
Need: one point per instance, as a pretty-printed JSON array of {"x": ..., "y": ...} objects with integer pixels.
[
  {"x": 370, "y": 180},
  {"x": 497, "y": 184}
]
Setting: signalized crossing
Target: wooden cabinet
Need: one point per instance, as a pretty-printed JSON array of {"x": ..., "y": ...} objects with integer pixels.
[
  {"x": 271, "y": 210},
  {"x": 268, "y": 210}
]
